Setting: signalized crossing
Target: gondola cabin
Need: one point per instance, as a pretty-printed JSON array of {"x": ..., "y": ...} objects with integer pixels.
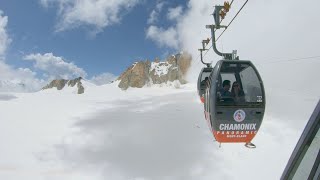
[
  {"x": 234, "y": 101},
  {"x": 202, "y": 81}
]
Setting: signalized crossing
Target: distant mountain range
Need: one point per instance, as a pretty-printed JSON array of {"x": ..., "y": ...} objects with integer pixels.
[
  {"x": 61, "y": 83},
  {"x": 138, "y": 75}
]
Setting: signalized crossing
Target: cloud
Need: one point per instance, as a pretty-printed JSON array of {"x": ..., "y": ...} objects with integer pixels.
[
  {"x": 24, "y": 79},
  {"x": 14, "y": 79},
  {"x": 153, "y": 18},
  {"x": 163, "y": 37},
  {"x": 104, "y": 78},
  {"x": 18, "y": 80},
  {"x": 160, "y": 5},
  {"x": 174, "y": 13},
  {"x": 55, "y": 67},
  {"x": 7, "y": 72},
  {"x": 254, "y": 35},
  {"x": 94, "y": 13},
  {"x": 4, "y": 38},
  {"x": 45, "y": 3}
]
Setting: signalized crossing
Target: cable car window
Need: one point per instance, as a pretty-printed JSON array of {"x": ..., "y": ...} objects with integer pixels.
[
  {"x": 228, "y": 76},
  {"x": 244, "y": 87},
  {"x": 251, "y": 85},
  {"x": 223, "y": 93},
  {"x": 204, "y": 75},
  {"x": 306, "y": 164}
]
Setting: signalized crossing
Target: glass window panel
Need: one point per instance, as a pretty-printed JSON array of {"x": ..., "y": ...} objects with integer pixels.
[
  {"x": 251, "y": 85},
  {"x": 224, "y": 96},
  {"x": 309, "y": 158},
  {"x": 247, "y": 90},
  {"x": 204, "y": 75}
]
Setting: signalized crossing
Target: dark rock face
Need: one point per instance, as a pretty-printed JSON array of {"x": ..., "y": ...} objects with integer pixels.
[
  {"x": 80, "y": 88},
  {"x": 58, "y": 83},
  {"x": 136, "y": 76},
  {"x": 74, "y": 81},
  {"x": 61, "y": 83},
  {"x": 145, "y": 72}
]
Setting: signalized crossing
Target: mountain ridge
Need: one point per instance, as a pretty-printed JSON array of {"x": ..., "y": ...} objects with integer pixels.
[
  {"x": 142, "y": 73},
  {"x": 170, "y": 71},
  {"x": 61, "y": 83}
]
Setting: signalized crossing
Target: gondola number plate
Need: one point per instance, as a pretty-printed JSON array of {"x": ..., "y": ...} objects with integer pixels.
[
  {"x": 259, "y": 98},
  {"x": 239, "y": 115}
]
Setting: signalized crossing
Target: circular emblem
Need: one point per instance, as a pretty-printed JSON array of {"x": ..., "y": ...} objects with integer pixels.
[{"x": 239, "y": 115}]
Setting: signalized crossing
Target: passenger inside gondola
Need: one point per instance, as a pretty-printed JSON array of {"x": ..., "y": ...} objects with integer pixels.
[
  {"x": 237, "y": 93},
  {"x": 224, "y": 93},
  {"x": 205, "y": 81}
]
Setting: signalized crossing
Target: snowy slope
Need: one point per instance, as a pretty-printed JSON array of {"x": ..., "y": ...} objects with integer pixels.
[{"x": 138, "y": 134}]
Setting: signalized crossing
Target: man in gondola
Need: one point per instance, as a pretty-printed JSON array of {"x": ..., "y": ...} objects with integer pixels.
[
  {"x": 224, "y": 93},
  {"x": 205, "y": 81}
]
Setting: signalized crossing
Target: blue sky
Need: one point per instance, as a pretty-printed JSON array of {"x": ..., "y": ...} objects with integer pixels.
[
  {"x": 33, "y": 28},
  {"x": 40, "y": 38}
]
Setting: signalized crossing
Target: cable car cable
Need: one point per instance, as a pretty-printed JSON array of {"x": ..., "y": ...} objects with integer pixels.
[
  {"x": 290, "y": 60},
  {"x": 222, "y": 19},
  {"x": 227, "y": 25},
  {"x": 232, "y": 20},
  {"x": 293, "y": 59},
  {"x": 211, "y": 38}
]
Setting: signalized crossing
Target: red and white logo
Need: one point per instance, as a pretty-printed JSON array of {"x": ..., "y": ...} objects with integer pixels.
[{"x": 239, "y": 115}]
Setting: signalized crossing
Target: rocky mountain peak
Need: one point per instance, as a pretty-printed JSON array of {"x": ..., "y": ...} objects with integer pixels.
[
  {"x": 145, "y": 72},
  {"x": 61, "y": 83}
]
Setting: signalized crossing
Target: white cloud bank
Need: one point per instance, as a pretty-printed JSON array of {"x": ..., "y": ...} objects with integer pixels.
[
  {"x": 55, "y": 67},
  {"x": 4, "y": 38},
  {"x": 18, "y": 80},
  {"x": 14, "y": 79},
  {"x": 96, "y": 13},
  {"x": 258, "y": 34}
]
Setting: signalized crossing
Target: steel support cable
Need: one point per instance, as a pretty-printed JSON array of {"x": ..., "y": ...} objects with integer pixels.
[
  {"x": 290, "y": 60},
  {"x": 232, "y": 20},
  {"x": 293, "y": 59},
  {"x": 222, "y": 19}
]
